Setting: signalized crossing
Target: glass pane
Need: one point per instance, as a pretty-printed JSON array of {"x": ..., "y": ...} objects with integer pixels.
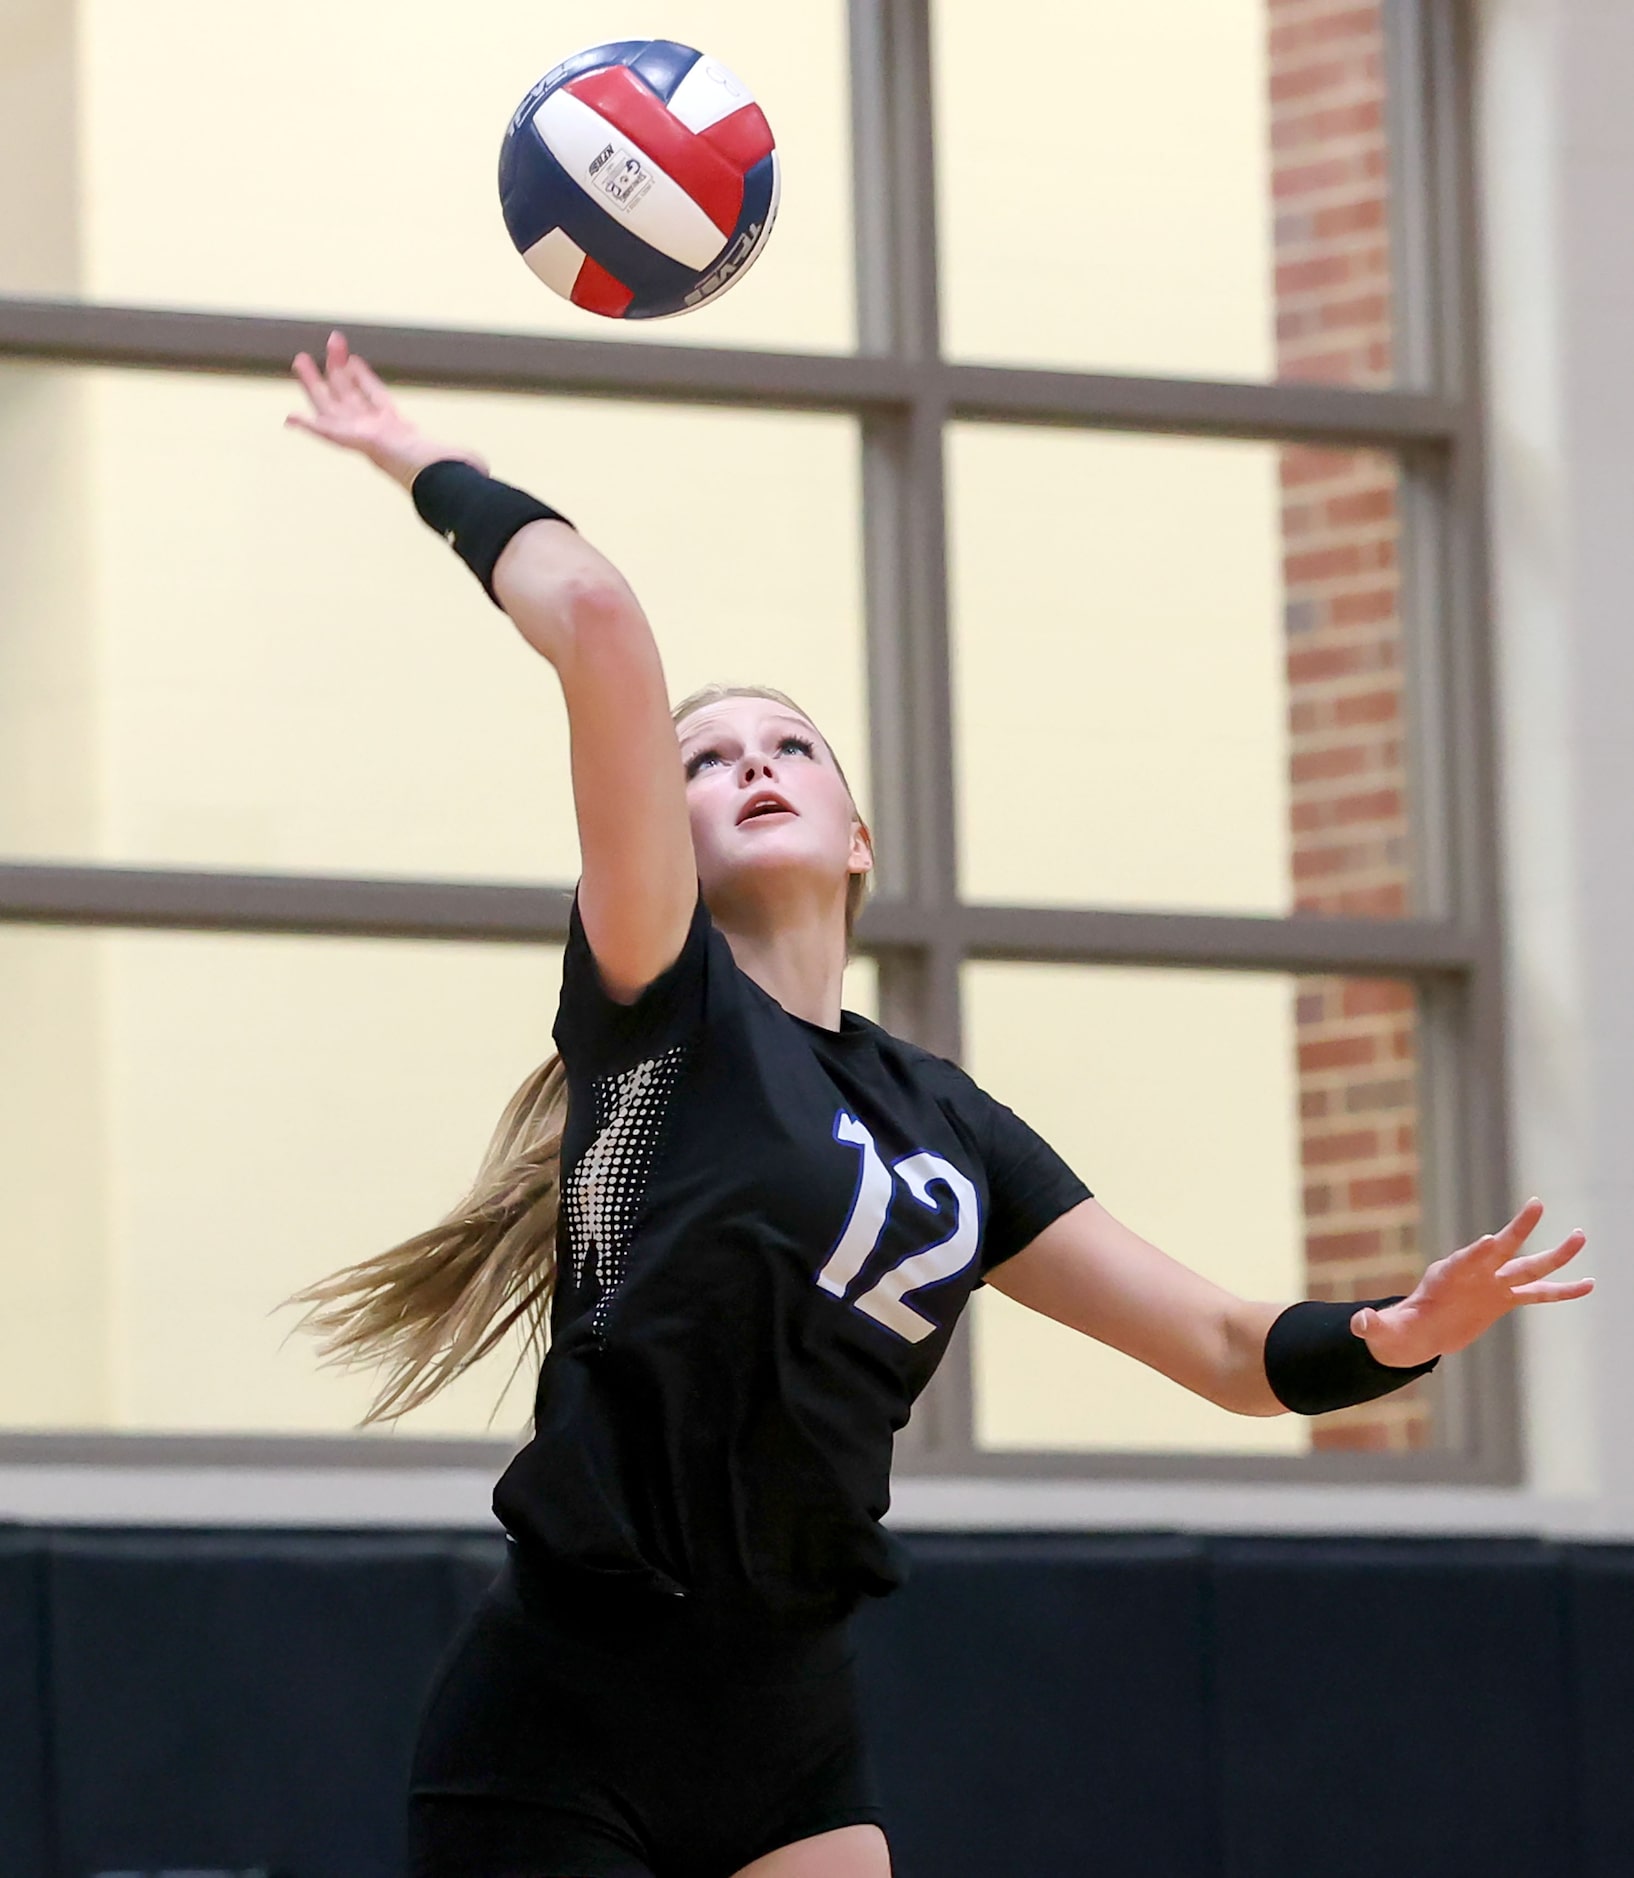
[
  {"x": 276, "y": 666},
  {"x": 1200, "y": 188},
  {"x": 194, "y": 1127},
  {"x": 1261, "y": 1129},
  {"x": 339, "y": 159},
  {"x": 1178, "y": 673}
]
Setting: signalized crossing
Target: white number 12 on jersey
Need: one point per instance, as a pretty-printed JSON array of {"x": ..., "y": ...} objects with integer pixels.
[{"x": 887, "y": 1302}]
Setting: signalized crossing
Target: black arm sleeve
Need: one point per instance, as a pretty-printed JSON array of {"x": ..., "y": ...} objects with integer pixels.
[{"x": 1315, "y": 1362}]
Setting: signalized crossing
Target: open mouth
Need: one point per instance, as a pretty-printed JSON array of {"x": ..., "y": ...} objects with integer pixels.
[{"x": 759, "y": 807}]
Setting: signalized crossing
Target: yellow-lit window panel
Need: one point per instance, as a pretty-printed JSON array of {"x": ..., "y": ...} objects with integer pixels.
[
  {"x": 1198, "y": 189},
  {"x": 1179, "y": 674},
  {"x": 230, "y": 646},
  {"x": 340, "y": 160},
  {"x": 1261, "y": 1129},
  {"x": 195, "y": 1127}
]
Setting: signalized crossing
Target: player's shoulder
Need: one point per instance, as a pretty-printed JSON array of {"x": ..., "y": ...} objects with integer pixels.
[{"x": 938, "y": 1076}]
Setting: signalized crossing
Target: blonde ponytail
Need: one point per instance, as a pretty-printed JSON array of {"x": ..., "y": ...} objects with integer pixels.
[{"x": 429, "y": 1308}]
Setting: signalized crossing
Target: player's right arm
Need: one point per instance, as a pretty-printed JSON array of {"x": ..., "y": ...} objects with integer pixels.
[{"x": 639, "y": 883}]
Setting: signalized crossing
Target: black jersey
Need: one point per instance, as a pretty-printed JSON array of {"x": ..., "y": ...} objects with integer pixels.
[{"x": 768, "y": 1230}]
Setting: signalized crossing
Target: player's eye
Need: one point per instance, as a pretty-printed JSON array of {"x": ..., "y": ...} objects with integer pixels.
[
  {"x": 698, "y": 759},
  {"x": 802, "y": 744}
]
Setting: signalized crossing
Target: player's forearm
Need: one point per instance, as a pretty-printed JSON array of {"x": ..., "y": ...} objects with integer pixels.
[
  {"x": 1243, "y": 1387},
  {"x": 564, "y": 596},
  {"x": 558, "y": 590}
]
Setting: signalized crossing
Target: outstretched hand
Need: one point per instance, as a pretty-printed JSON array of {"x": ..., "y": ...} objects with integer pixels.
[
  {"x": 349, "y": 406},
  {"x": 1466, "y": 1293}
]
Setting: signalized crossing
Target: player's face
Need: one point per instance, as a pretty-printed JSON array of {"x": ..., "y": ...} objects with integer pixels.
[{"x": 771, "y": 814}]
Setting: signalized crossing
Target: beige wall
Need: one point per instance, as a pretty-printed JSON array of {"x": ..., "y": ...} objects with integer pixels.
[
  {"x": 1104, "y": 173},
  {"x": 1118, "y": 670},
  {"x": 338, "y": 157},
  {"x": 302, "y": 679},
  {"x": 1174, "y": 1095}
]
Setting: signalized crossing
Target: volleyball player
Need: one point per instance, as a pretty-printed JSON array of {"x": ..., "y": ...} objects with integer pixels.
[{"x": 772, "y": 1214}]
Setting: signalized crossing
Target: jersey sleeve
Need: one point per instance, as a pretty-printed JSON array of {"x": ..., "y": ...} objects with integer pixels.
[
  {"x": 597, "y": 1035},
  {"x": 1029, "y": 1186}
]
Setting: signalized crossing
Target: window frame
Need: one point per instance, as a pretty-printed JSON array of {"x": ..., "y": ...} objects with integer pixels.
[{"x": 904, "y": 394}]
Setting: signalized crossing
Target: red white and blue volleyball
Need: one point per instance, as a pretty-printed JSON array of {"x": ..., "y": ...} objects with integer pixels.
[{"x": 639, "y": 179}]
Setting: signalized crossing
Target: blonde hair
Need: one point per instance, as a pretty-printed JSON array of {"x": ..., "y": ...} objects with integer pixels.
[{"x": 427, "y": 1309}]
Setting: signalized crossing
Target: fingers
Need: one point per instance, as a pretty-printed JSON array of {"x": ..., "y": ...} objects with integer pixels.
[
  {"x": 1544, "y": 1293},
  {"x": 1493, "y": 1249},
  {"x": 1513, "y": 1236},
  {"x": 363, "y": 376},
  {"x": 322, "y": 399},
  {"x": 1538, "y": 1264},
  {"x": 332, "y": 429},
  {"x": 339, "y": 382}
]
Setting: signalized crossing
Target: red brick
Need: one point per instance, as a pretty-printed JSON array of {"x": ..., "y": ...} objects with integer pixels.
[
  {"x": 1359, "y": 506},
  {"x": 1365, "y": 608},
  {"x": 1321, "y": 368},
  {"x": 1349, "y": 759},
  {"x": 1318, "y": 176},
  {"x": 1325, "y": 27},
  {"x": 1374, "y": 902},
  {"x": 1368, "y": 707},
  {"x": 1350, "y": 218},
  {"x": 1305, "y": 81},
  {"x": 1372, "y": 997},
  {"x": 1324, "y": 270},
  {"x": 1377, "y": 805},
  {"x": 1362, "y": 1098},
  {"x": 1313, "y": 862},
  {"x": 1357, "y": 1144},
  {"x": 1323, "y": 564},
  {"x": 1383, "y": 1190},
  {"x": 1359, "y": 1437},
  {"x": 1364, "y": 118},
  {"x": 1326, "y": 1247},
  {"x": 1301, "y": 464},
  {"x": 1337, "y": 1053},
  {"x": 1310, "y": 664},
  {"x": 1369, "y": 311}
]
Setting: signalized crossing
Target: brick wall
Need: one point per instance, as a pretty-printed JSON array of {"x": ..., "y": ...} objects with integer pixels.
[{"x": 1357, "y": 1043}]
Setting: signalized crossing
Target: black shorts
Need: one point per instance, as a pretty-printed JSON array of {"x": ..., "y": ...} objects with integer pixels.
[{"x": 574, "y": 1733}]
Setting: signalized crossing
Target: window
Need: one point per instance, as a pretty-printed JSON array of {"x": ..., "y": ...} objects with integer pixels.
[{"x": 1109, "y": 486}]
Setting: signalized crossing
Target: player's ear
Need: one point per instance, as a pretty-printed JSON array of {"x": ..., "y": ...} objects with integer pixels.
[{"x": 861, "y": 858}]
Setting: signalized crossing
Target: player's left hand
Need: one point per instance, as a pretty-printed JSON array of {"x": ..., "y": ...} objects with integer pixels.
[{"x": 1466, "y": 1293}]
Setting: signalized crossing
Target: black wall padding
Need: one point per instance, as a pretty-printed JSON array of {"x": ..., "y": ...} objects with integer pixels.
[
  {"x": 1038, "y": 1705},
  {"x": 1054, "y": 1706},
  {"x": 239, "y": 1701},
  {"x": 24, "y": 1848},
  {"x": 1601, "y": 1616},
  {"x": 1392, "y": 1707}
]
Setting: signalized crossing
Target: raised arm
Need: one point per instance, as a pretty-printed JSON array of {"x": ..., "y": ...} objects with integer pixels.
[
  {"x": 639, "y": 877},
  {"x": 1092, "y": 1273}
]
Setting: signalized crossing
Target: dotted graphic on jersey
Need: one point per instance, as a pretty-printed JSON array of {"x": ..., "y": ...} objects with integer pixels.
[{"x": 603, "y": 1193}]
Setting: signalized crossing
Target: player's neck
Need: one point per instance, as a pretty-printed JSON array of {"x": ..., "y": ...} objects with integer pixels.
[{"x": 799, "y": 961}]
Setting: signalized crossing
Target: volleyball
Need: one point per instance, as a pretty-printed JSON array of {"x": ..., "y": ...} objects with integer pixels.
[{"x": 639, "y": 179}]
